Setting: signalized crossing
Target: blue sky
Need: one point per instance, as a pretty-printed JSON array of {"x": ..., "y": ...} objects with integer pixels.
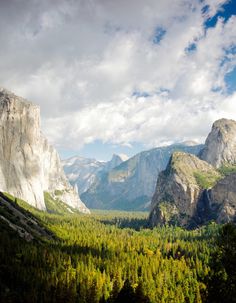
[
  {"x": 121, "y": 76},
  {"x": 230, "y": 80},
  {"x": 225, "y": 11}
]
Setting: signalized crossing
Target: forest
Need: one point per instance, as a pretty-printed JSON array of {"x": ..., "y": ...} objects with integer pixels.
[{"x": 113, "y": 257}]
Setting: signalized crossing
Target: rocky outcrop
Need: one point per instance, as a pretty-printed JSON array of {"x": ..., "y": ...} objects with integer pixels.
[
  {"x": 54, "y": 179},
  {"x": 29, "y": 165},
  {"x": 179, "y": 188},
  {"x": 130, "y": 185},
  {"x": 222, "y": 199},
  {"x": 220, "y": 145}
]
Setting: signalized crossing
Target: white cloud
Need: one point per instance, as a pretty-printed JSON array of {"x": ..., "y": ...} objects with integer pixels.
[{"x": 83, "y": 60}]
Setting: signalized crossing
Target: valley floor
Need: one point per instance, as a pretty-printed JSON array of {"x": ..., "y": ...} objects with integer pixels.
[{"x": 105, "y": 257}]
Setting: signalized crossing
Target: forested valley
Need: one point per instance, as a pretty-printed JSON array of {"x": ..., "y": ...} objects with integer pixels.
[{"x": 112, "y": 257}]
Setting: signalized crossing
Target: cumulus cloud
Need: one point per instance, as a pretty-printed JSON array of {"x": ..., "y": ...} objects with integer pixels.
[{"x": 119, "y": 71}]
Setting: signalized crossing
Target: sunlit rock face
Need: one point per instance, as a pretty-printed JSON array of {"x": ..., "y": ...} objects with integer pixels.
[
  {"x": 21, "y": 166},
  {"x": 178, "y": 190},
  {"x": 29, "y": 165},
  {"x": 220, "y": 146}
]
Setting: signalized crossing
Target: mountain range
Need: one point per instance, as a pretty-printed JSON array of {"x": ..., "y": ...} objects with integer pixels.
[
  {"x": 126, "y": 186},
  {"x": 183, "y": 184},
  {"x": 194, "y": 190}
]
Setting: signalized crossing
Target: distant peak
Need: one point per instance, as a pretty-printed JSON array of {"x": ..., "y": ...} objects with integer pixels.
[{"x": 120, "y": 157}]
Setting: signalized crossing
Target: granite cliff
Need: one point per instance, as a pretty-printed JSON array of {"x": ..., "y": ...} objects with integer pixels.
[
  {"x": 219, "y": 202},
  {"x": 220, "y": 145},
  {"x": 222, "y": 199},
  {"x": 130, "y": 185},
  {"x": 29, "y": 165},
  {"x": 178, "y": 190}
]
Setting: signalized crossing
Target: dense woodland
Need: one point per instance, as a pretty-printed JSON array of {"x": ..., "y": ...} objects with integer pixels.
[{"x": 113, "y": 257}]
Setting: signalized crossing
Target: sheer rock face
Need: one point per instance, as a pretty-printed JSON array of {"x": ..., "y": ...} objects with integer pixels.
[
  {"x": 223, "y": 199},
  {"x": 220, "y": 145},
  {"x": 178, "y": 190},
  {"x": 28, "y": 164}
]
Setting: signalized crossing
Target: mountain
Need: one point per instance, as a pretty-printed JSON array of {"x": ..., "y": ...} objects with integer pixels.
[
  {"x": 191, "y": 191},
  {"x": 130, "y": 185},
  {"x": 220, "y": 145},
  {"x": 115, "y": 161},
  {"x": 221, "y": 199},
  {"x": 83, "y": 172},
  {"x": 178, "y": 190},
  {"x": 29, "y": 165}
]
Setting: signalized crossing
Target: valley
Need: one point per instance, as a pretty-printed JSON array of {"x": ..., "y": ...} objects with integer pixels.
[
  {"x": 155, "y": 231},
  {"x": 105, "y": 257},
  {"x": 118, "y": 151}
]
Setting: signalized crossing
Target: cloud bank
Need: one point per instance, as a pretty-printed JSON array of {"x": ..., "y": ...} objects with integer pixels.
[{"x": 120, "y": 71}]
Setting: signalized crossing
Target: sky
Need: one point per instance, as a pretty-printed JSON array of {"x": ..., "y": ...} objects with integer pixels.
[{"x": 121, "y": 76}]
